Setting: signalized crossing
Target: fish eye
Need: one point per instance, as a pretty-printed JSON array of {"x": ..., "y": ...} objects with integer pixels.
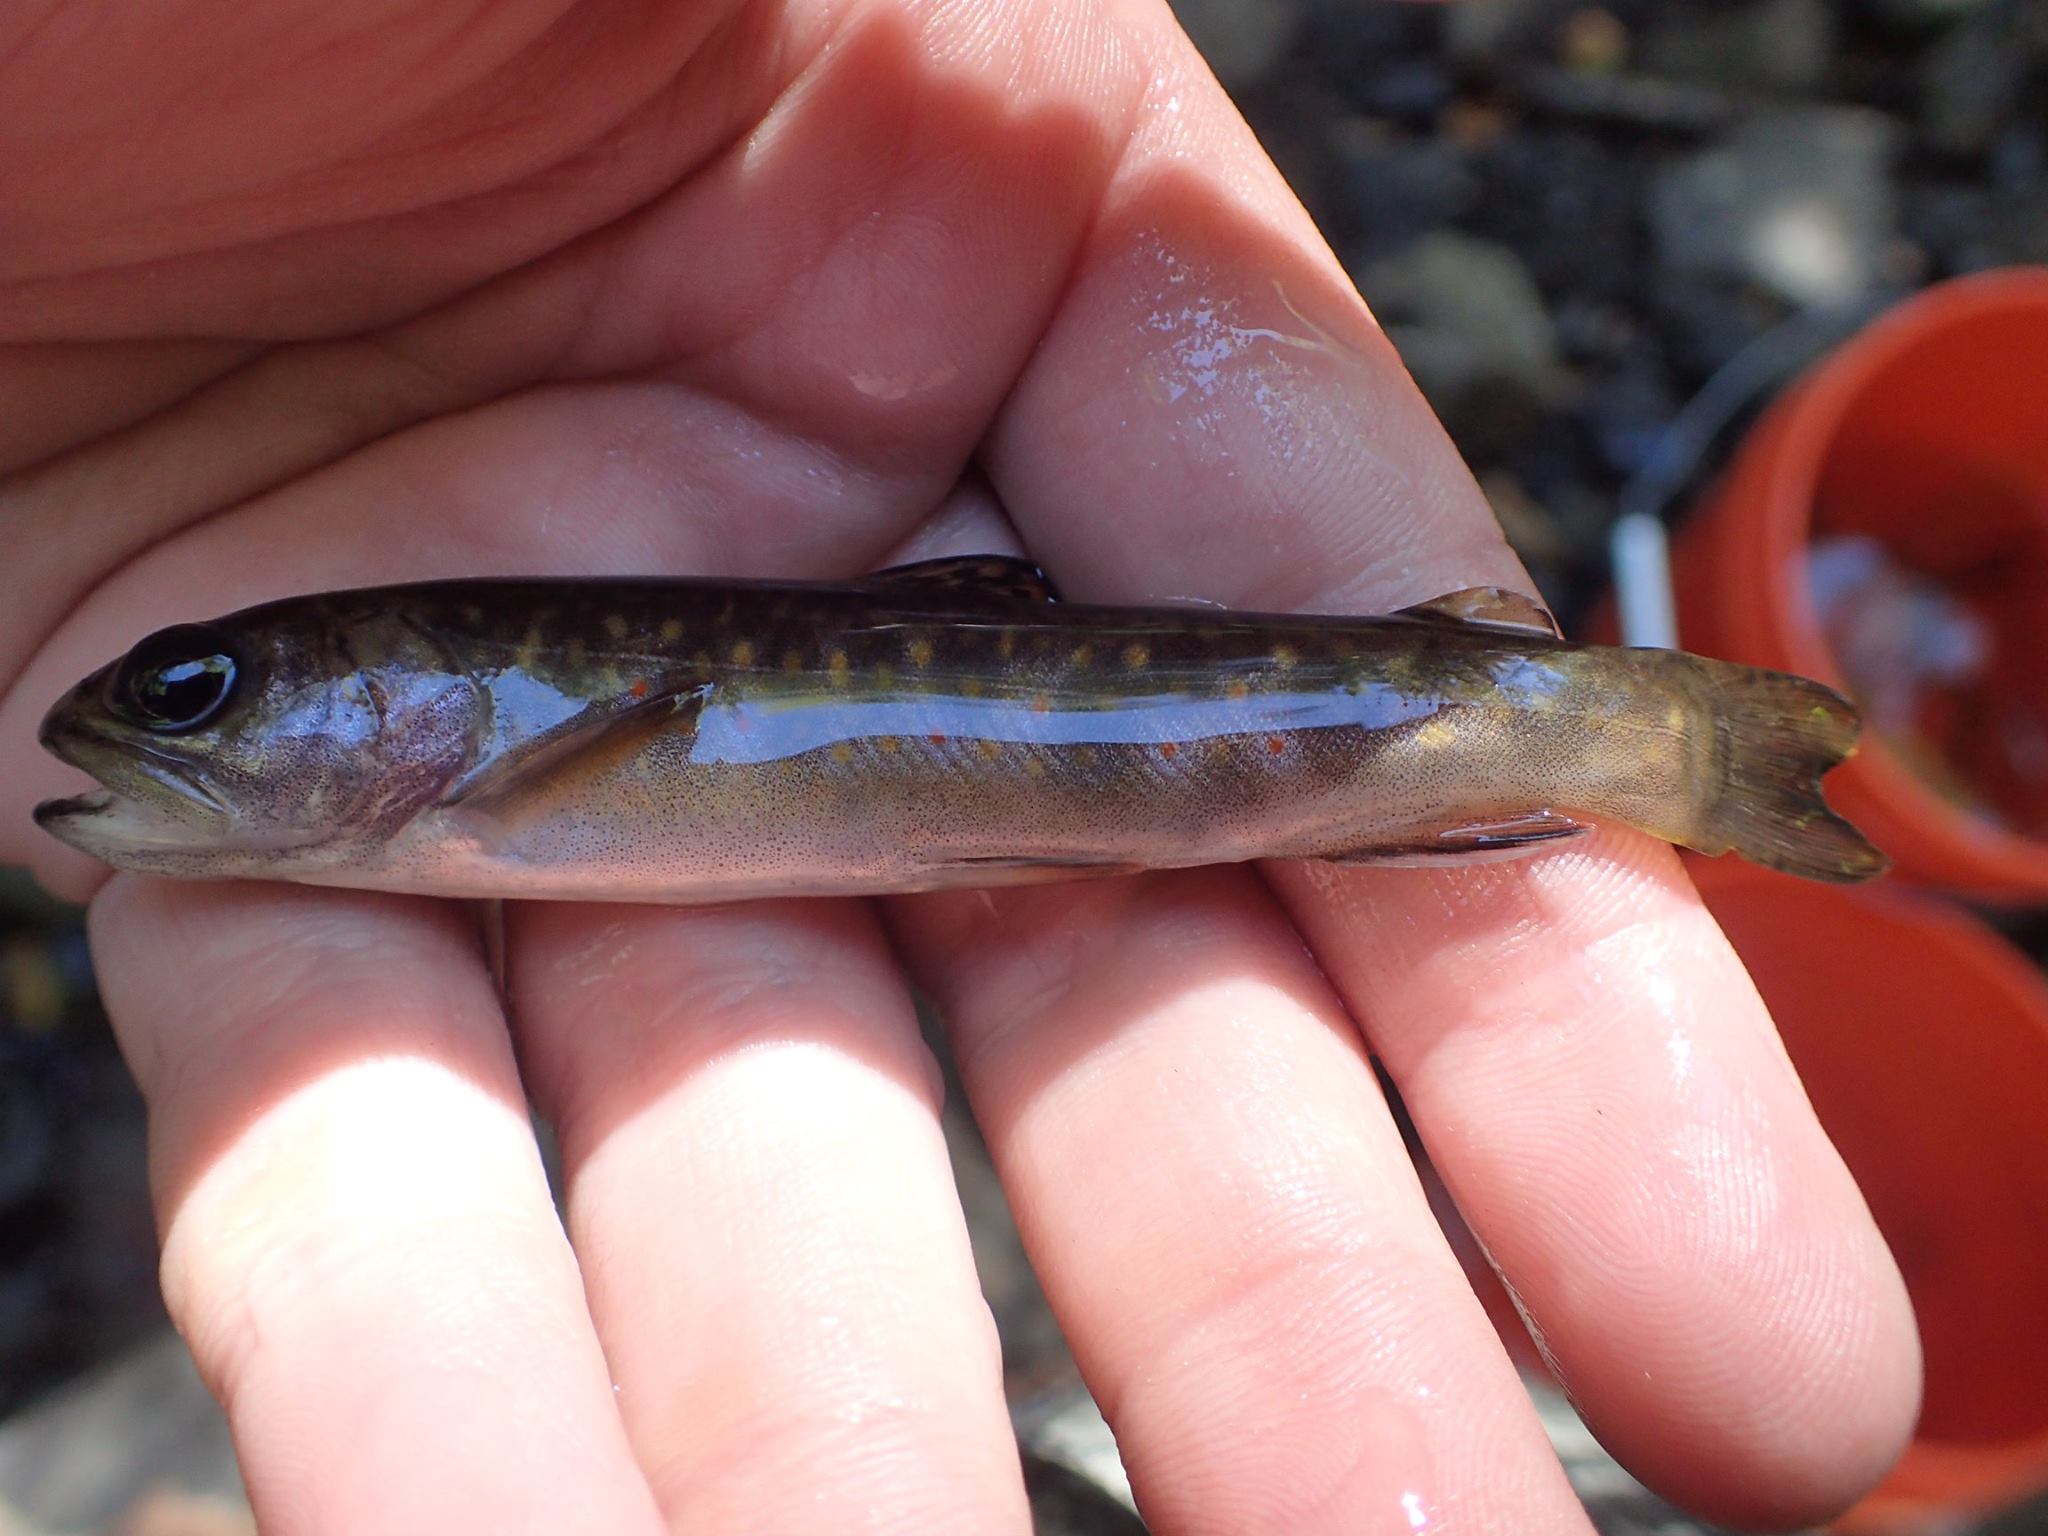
[{"x": 176, "y": 680}]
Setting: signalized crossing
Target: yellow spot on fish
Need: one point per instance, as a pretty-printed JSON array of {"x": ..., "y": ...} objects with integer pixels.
[
  {"x": 529, "y": 649},
  {"x": 743, "y": 653},
  {"x": 1006, "y": 644},
  {"x": 671, "y": 631},
  {"x": 1041, "y": 702},
  {"x": 792, "y": 661},
  {"x": 920, "y": 652},
  {"x": 1136, "y": 655},
  {"x": 616, "y": 626},
  {"x": 972, "y": 687},
  {"x": 1082, "y": 655},
  {"x": 701, "y": 661},
  {"x": 884, "y": 674},
  {"x": 838, "y": 665},
  {"x": 990, "y": 749},
  {"x": 1034, "y": 768},
  {"x": 1437, "y": 732},
  {"x": 887, "y": 743},
  {"x": 841, "y": 752},
  {"x": 1285, "y": 656},
  {"x": 1236, "y": 688},
  {"x": 576, "y": 652},
  {"x": 1086, "y": 756}
]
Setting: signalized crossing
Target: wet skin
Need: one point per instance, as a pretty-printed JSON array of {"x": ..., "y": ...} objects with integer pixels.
[{"x": 292, "y": 303}]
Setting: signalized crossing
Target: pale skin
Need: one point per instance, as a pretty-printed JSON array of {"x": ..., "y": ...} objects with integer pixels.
[{"x": 299, "y": 296}]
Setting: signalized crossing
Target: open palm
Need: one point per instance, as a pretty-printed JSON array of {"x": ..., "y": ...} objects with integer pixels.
[{"x": 300, "y": 296}]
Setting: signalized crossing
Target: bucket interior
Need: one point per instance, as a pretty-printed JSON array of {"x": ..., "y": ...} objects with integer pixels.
[{"x": 1930, "y": 557}]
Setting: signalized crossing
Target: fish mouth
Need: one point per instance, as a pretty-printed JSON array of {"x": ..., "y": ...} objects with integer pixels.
[
  {"x": 148, "y": 803},
  {"x": 117, "y": 827}
]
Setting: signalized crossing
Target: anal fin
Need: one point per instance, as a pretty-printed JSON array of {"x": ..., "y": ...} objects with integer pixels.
[{"x": 1483, "y": 842}]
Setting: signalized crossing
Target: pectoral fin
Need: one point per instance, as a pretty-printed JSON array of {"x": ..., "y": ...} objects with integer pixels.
[
  {"x": 1483, "y": 842},
  {"x": 1003, "y": 578},
  {"x": 577, "y": 748},
  {"x": 1495, "y": 607}
]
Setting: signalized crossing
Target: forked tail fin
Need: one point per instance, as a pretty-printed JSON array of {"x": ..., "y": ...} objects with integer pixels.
[{"x": 1777, "y": 735}]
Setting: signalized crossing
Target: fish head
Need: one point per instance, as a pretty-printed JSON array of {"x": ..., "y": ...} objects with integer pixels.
[{"x": 280, "y": 741}]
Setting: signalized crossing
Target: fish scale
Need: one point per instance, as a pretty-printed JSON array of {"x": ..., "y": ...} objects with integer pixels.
[{"x": 949, "y": 723}]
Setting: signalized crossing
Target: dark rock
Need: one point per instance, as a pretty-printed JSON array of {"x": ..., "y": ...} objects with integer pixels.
[
  {"x": 1569, "y": 205},
  {"x": 2018, "y": 161},
  {"x": 1471, "y": 326},
  {"x": 1920, "y": 16},
  {"x": 1592, "y": 330},
  {"x": 1411, "y": 92},
  {"x": 1703, "y": 321},
  {"x": 77, "y": 1243},
  {"x": 1492, "y": 29},
  {"x": 1970, "y": 82},
  {"x": 1241, "y": 42},
  {"x": 1798, "y": 203},
  {"x": 1387, "y": 190},
  {"x": 1647, "y": 103},
  {"x": 1773, "y": 47},
  {"x": 1628, "y": 408},
  {"x": 1354, "y": 41},
  {"x": 1967, "y": 227}
]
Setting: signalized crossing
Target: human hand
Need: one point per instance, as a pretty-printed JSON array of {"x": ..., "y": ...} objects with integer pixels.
[{"x": 303, "y": 298}]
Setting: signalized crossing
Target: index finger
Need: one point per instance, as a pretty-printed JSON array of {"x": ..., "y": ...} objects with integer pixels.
[{"x": 1213, "y": 414}]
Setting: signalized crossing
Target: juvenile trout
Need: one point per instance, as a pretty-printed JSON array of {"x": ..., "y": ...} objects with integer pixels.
[{"x": 943, "y": 724}]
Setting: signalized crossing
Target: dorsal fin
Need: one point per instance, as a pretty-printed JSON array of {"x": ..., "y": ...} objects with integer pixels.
[
  {"x": 999, "y": 577},
  {"x": 1495, "y": 607}
]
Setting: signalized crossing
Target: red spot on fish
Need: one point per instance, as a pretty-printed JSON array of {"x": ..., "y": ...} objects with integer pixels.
[
  {"x": 937, "y": 738},
  {"x": 1275, "y": 745},
  {"x": 1168, "y": 749},
  {"x": 640, "y": 688}
]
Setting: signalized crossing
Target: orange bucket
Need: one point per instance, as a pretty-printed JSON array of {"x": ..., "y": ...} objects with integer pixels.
[
  {"x": 1926, "y": 437},
  {"x": 1922, "y": 1038}
]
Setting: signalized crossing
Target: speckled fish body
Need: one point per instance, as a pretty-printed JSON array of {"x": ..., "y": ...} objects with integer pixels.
[{"x": 943, "y": 725}]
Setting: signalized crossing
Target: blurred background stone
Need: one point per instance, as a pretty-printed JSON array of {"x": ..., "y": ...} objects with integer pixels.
[
  {"x": 133, "y": 1448},
  {"x": 1242, "y": 43},
  {"x": 1769, "y": 47},
  {"x": 1472, "y": 327},
  {"x": 1800, "y": 204}
]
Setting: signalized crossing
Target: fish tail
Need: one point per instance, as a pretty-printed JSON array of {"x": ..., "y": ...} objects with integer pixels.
[{"x": 1776, "y": 736}]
